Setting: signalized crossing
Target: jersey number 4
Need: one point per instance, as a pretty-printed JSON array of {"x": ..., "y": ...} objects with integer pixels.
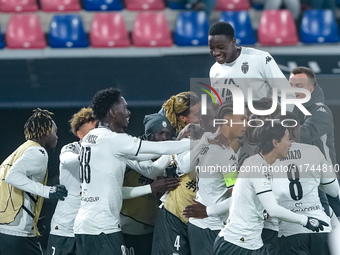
[{"x": 85, "y": 169}]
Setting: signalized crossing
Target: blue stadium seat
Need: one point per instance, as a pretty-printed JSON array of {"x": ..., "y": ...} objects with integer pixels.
[
  {"x": 67, "y": 31},
  {"x": 2, "y": 43},
  {"x": 319, "y": 26},
  {"x": 103, "y": 5},
  {"x": 240, "y": 20},
  {"x": 178, "y": 5},
  {"x": 191, "y": 29}
]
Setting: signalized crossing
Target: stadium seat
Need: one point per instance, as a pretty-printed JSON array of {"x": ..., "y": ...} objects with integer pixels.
[
  {"x": 191, "y": 29},
  {"x": 18, "y": 6},
  {"x": 277, "y": 27},
  {"x": 140, "y": 5},
  {"x": 240, "y": 20},
  {"x": 151, "y": 30},
  {"x": 319, "y": 26},
  {"x": 178, "y": 6},
  {"x": 24, "y": 31},
  {"x": 232, "y": 5},
  {"x": 108, "y": 30},
  {"x": 103, "y": 5},
  {"x": 60, "y": 5},
  {"x": 67, "y": 31},
  {"x": 2, "y": 43}
]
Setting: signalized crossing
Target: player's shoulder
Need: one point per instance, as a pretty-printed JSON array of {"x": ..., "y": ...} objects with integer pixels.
[
  {"x": 255, "y": 52},
  {"x": 71, "y": 147},
  {"x": 38, "y": 152},
  {"x": 253, "y": 160},
  {"x": 306, "y": 149},
  {"x": 321, "y": 108}
]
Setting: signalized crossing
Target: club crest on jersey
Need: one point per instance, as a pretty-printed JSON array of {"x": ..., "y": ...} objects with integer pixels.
[
  {"x": 245, "y": 67},
  {"x": 164, "y": 124}
]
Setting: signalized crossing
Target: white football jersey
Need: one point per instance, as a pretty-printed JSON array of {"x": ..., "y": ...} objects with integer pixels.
[
  {"x": 296, "y": 186},
  {"x": 63, "y": 218},
  {"x": 212, "y": 187},
  {"x": 102, "y": 171},
  {"x": 254, "y": 69},
  {"x": 33, "y": 165},
  {"x": 247, "y": 214}
]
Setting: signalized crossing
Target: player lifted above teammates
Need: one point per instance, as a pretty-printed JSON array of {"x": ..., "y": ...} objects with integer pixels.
[{"x": 242, "y": 67}]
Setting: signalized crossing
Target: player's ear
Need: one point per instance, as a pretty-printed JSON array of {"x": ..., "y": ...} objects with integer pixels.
[
  {"x": 275, "y": 142},
  {"x": 234, "y": 42},
  {"x": 228, "y": 118},
  {"x": 80, "y": 134},
  {"x": 112, "y": 112}
]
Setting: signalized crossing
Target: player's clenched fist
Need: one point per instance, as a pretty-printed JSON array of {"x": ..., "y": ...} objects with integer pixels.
[
  {"x": 162, "y": 184},
  {"x": 58, "y": 192}
]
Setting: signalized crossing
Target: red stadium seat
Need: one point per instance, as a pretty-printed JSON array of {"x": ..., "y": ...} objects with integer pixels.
[
  {"x": 277, "y": 27},
  {"x": 151, "y": 30},
  {"x": 232, "y": 5},
  {"x": 24, "y": 31},
  {"x": 18, "y": 6},
  {"x": 140, "y": 5},
  {"x": 108, "y": 30},
  {"x": 60, "y": 5}
]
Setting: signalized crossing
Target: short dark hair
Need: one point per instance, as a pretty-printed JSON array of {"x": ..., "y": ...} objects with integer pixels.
[
  {"x": 39, "y": 124},
  {"x": 222, "y": 28},
  {"x": 303, "y": 69},
  {"x": 264, "y": 135},
  {"x": 294, "y": 132},
  {"x": 103, "y": 100},
  {"x": 225, "y": 109}
]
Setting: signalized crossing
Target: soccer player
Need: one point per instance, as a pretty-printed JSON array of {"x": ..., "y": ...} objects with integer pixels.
[
  {"x": 253, "y": 199},
  {"x": 61, "y": 240},
  {"x": 318, "y": 128},
  {"x": 296, "y": 188},
  {"x": 242, "y": 67},
  {"x": 103, "y": 156},
  {"x": 138, "y": 215},
  {"x": 170, "y": 233},
  {"x": 215, "y": 186},
  {"x": 22, "y": 188}
]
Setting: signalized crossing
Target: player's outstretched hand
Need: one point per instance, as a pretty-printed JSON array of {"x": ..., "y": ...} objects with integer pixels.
[
  {"x": 220, "y": 140},
  {"x": 162, "y": 184},
  {"x": 58, "y": 192},
  {"x": 315, "y": 224},
  {"x": 189, "y": 130},
  {"x": 196, "y": 210}
]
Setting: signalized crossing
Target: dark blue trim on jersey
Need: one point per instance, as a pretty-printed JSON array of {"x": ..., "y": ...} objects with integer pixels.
[
  {"x": 263, "y": 192},
  {"x": 140, "y": 144},
  {"x": 328, "y": 182}
]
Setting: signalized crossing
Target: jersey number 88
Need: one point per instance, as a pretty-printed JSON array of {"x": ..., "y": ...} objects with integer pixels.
[{"x": 85, "y": 169}]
